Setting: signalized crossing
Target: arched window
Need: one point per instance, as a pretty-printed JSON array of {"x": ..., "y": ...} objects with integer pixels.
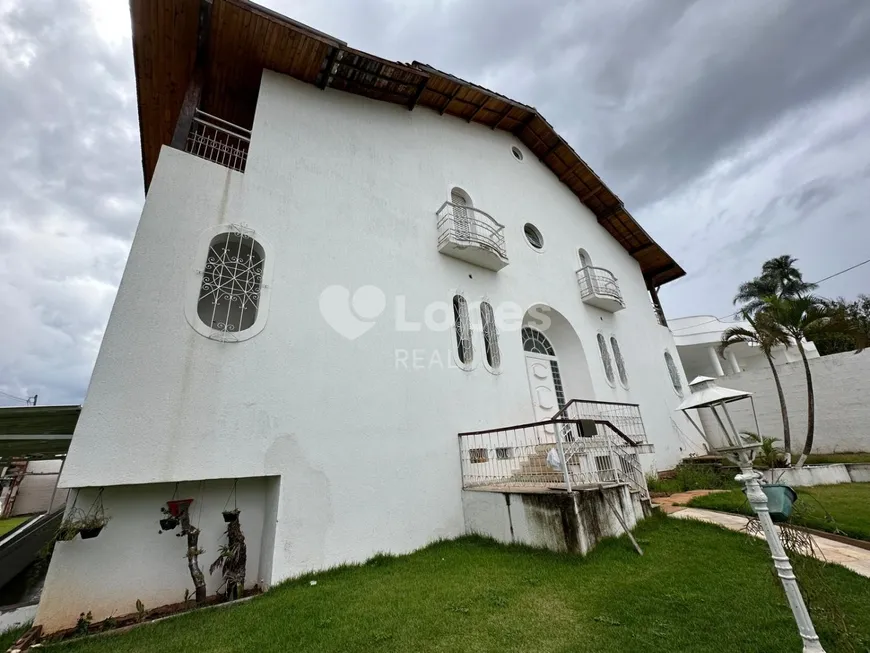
[
  {"x": 536, "y": 342},
  {"x": 605, "y": 359},
  {"x": 620, "y": 362},
  {"x": 674, "y": 373},
  {"x": 490, "y": 336},
  {"x": 462, "y": 328},
  {"x": 461, "y": 215},
  {"x": 229, "y": 293},
  {"x": 583, "y": 256}
]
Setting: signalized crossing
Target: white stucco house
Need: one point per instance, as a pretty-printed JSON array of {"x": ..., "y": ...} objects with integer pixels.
[
  {"x": 359, "y": 293},
  {"x": 698, "y": 336}
]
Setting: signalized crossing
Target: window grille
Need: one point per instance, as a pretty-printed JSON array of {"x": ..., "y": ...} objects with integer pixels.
[
  {"x": 504, "y": 453},
  {"x": 536, "y": 342},
  {"x": 605, "y": 359},
  {"x": 604, "y": 466},
  {"x": 620, "y": 362},
  {"x": 462, "y": 327},
  {"x": 461, "y": 219},
  {"x": 229, "y": 293},
  {"x": 490, "y": 335},
  {"x": 674, "y": 373}
]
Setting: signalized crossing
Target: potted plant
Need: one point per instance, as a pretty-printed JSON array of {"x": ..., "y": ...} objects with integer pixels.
[
  {"x": 168, "y": 522},
  {"x": 92, "y": 524},
  {"x": 178, "y": 507},
  {"x": 69, "y": 528},
  {"x": 231, "y": 515}
]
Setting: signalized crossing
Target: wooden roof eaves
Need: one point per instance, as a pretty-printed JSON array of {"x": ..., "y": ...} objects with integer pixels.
[
  {"x": 285, "y": 21},
  {"x": 588, "y": 187},
  {"x": 464, "y": 83}
]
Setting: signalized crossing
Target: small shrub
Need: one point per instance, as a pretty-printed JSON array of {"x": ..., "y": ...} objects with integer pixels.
[
  {"x": 689, "y": 476},
  {"x": 84, "y": 623},
  {"x": 140, "y": 611},
  {"x": 110, "y": 624}
]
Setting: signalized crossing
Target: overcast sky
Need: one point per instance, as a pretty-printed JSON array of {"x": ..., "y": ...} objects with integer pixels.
[{"x": 734, "y": 131}]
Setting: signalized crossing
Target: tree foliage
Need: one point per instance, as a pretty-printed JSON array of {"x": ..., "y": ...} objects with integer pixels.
[{"x": 854, "y": 318}]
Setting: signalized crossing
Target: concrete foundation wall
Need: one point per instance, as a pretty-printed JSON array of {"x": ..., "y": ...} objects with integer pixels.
[
  {"x": 820, "y": 475},
  {"x": 552, "y": 520},
  {"x": 131, "y": 559},
  {"x": 841, "y": 383}
]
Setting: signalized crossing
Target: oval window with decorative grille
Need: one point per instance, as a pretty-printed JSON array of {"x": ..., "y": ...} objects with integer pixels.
[
  {"x": 462, "y": 330},
  {"x": 490, "y": 336},
  {"x": 605, "y": 359},
  {"x": 620, "y": 362}
]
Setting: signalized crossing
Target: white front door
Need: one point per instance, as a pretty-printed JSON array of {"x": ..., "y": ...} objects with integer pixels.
[{"x": 543, "y": 389}]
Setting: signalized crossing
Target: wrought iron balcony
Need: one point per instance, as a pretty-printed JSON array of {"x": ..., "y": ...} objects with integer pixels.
[
  {"x": 471, "y": 235},
  {"x": 219, "y": 141},
  {"x": 598, "y": 287}
]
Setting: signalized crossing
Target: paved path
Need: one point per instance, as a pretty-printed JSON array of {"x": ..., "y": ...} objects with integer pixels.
[
  {"x": 851, "y": 557},
  {"x": 676, "y": 502}
]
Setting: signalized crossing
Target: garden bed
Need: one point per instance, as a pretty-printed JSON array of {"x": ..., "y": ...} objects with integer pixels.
[{"x": 125, "y": 622}]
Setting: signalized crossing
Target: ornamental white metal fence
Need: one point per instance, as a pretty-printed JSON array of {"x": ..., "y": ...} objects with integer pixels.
[
  {"x": 586, "y": 443},
  {"x": 471, "y": 227},
  {"x": 599, "y": 282},
  {"x": 218, "y": 140}
]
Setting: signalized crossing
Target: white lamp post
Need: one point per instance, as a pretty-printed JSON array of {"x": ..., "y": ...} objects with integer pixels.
[{"x": 727, "y": 441}]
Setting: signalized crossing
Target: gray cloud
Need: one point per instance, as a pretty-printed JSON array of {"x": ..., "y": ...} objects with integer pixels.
[
  {"x": 70, "y": 194},
  {"x": 734, "y": 132}
]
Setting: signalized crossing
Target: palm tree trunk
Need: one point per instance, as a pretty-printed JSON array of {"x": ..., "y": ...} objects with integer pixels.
[
  {"x": 786, "y": 427},
  {"x": 811, "y": 407}
]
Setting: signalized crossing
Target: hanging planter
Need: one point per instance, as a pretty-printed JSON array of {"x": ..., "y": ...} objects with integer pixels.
[
  {"x": 91, "y": 532},
  {"x": 231, "y": 515},
  {"x": 88, "y": 524},
  {"x": 168, "y": 523},
  {"x": 178, "y": 507},
  {"x": 95, "y": 519}
]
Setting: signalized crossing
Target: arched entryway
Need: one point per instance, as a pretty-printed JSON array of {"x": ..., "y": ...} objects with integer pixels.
[{"x": 555, "y": 361}]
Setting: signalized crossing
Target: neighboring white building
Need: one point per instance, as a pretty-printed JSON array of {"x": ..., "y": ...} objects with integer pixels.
[
  {"x": 321, "y": 300},
  {"x": 698, "y": 338}
]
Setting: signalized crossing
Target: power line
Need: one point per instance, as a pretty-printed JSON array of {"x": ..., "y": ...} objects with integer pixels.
[
  {"x": 837, "y": 274},
  {"x": 725, "y": 317},
  {"x": 6, "y": 394}
]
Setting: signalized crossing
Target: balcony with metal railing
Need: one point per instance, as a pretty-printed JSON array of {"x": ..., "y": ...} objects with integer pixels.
[
  {"x": 218, "y": 141},
  {"x": 599, "y": 287},
  {"x": 471, "y": 235},
  {"x": 586, "y": 444}
]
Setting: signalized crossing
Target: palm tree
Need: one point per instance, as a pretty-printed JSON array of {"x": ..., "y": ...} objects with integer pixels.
[
  {"x": 779, "y": 278},
  {"x": 802, "y": 318},
  {"x": 766, "y": 335}
]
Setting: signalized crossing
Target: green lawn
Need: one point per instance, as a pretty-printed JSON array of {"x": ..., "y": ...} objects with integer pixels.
[
  {"x": 9, "y": 637},
  {"x": 697, "y": 589},
  {"x": 827, "y": 458},
  {"x": 847, "y": 503},
  {"x": 7, "y": 525}
]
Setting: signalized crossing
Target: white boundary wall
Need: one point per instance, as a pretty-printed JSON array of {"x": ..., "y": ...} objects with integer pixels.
[{"x": 842, "y": 390}]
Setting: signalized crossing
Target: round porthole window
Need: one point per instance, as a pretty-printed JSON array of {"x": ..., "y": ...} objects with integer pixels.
[
  {"x": 517, "y": 152},
  {"x": 533, "y": 236}
]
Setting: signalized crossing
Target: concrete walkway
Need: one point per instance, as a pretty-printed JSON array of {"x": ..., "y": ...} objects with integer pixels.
[
  {"x": 851, "y": 557},
  {"x": 676, "y": 502}
]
